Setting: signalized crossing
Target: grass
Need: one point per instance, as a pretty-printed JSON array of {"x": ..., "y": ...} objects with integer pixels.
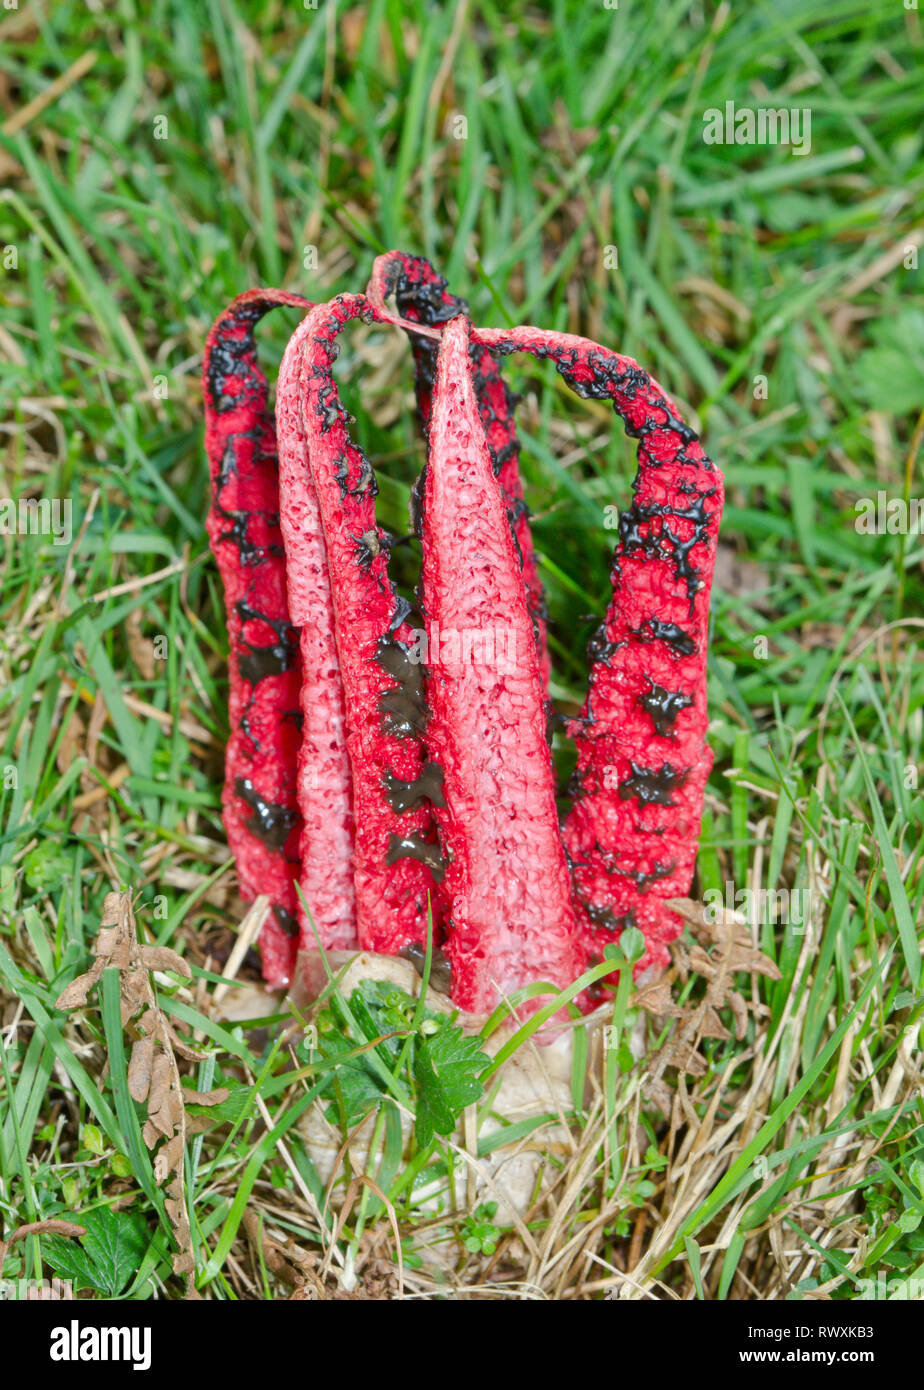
[{"x": 192, "y": 151}]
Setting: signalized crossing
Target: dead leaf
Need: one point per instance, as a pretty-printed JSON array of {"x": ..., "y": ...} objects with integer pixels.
[
  {"x": 139, "y": 1069},
  {"x": 69, "y": 744},
  {"x": 162, "y": 958},
  {"x": 153, "y": 1075},
  {"x": 99, "y": 714},
  {"x": 710, "y": 1025},
  {"x": 51, "y": 1227},
  {"x": 684, "y": 1057},
  {"x": 141, "y": 648},
  {"x": 740, "y": 1010},
  {"x": 205, "y": 1097},
  {"x": 722, "y": 949},
  {"x": 656, "y": 999}
]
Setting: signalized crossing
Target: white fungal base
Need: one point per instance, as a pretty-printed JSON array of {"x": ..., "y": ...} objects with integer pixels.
[{"x": 536, "y": 1080}]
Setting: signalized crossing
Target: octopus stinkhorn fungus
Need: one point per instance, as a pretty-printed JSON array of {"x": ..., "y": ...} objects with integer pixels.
[{"x": 380, "y": 774}]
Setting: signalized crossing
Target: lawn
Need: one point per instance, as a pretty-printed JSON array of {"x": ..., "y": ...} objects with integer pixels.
[{"x": 761, "y": 1139}]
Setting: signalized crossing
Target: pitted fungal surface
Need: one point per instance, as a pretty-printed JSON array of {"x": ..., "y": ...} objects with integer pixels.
[
  {"x": 260, "y": 803},
  {"x": 507, "y": 876},
  {"x": 369, "y": 622},
  {"x": 393, "y": 771}
]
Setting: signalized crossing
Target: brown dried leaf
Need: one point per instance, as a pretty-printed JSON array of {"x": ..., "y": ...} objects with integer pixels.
[
  {"x": 740, "y": 1010},
  {"x": 153, "y": 1076},
  {"x": 684, "y": 1057},
  {"x": 164, "y": 1101},
  {"x": 162, "y": 958},
  {"x": 702, "y": 963},
  {"x": 748, "y": 960},
  {"x": 656, "y": 999},
  {"x": 732, "y": 952},
  {"x": 206, "y": 1097},
  {"x": 139, "y": 1069},
  {"x": 273, "y": 1254},
  {"x": 709, "y": 1025},
  {"x": 141, "y": 648},
  {"x": 74, "y": 996},
  {"x": 52, "y": 1227},
  {"x": 178, "y": 1045},
  {"x": 201, "y": 1124},
  {"x": 69, "y": 744},
  {"x": 693, "y": 912},
  {"x": 99, "y": 714}
]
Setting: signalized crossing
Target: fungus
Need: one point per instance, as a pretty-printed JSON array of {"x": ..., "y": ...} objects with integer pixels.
[{"x": 392, "y": 771}]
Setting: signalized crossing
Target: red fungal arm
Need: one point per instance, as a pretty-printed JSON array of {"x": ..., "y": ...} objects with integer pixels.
[
  {"x": 259, "y": 798},
  {"x": 421, "y": 296},
  {"x": 507, "y": 876},
  {"x": 642, "y": 758},
  {"x": 396, "y": 857},
  {"x": 325, "y": 792}
]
